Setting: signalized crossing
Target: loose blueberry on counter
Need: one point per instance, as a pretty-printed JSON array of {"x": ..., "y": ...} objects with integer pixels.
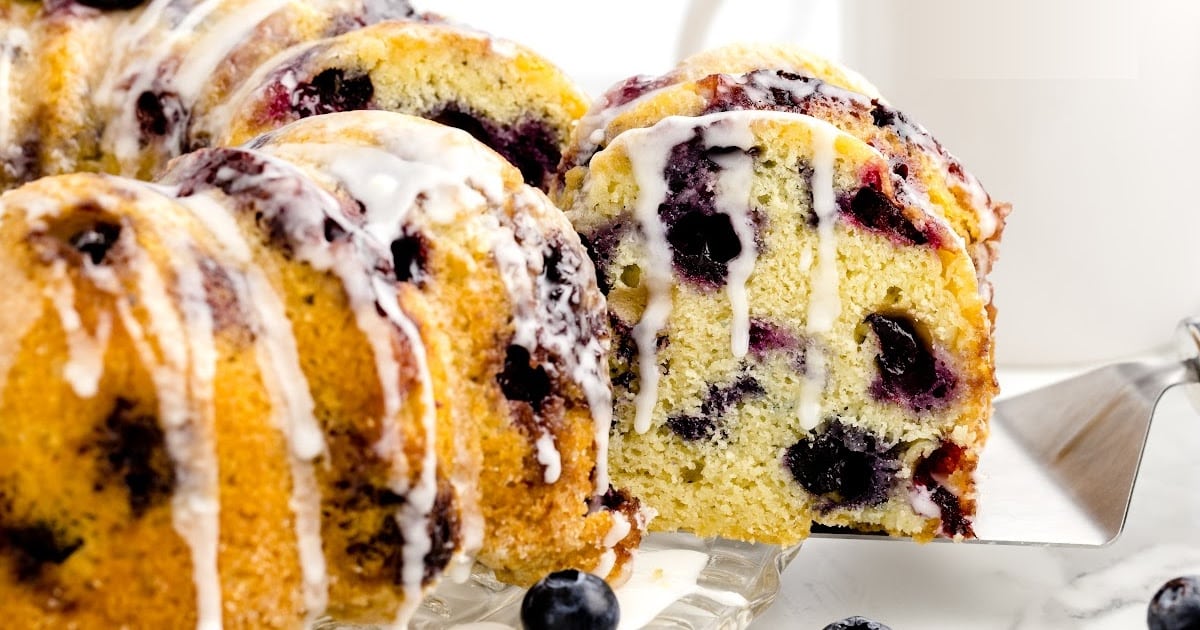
[
  {"x": 570, "y": 600},
  {"x": 1176, "y": 606},
  {"x": 856, "y": 623}
]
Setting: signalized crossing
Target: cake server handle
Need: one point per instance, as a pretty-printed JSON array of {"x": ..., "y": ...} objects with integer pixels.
[{"x": 1188, "y": 348}]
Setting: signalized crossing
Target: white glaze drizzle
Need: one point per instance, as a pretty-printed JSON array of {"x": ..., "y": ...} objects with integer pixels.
[
  {"x": 85, "y": 360},
  {"x": 824, "y": 305},
  {"x": 184, "y": 340},
  {"x": 661, "y": 578},
  {"x": 13, "y": 43},
  {"x": 619, "y": 530},
  {"x": 198, "y": 327},
  {"x": 450, "y": 172},
  {"x": 413, "y": 516},
  {"x": 548, "y": 456},
  {"x": 440, "y": 172},
  {"x": 546, "y": 317},
  {"x": 218, "y": 41},
  {"x": 648, "y": 150},
  {"x": 292, "y": 403},
  {"x": 388, "y": 187},
  {"x": 922, "y": 502},
  {"x": 733, "y": 197},
  {"x": 201, "y": 39}
]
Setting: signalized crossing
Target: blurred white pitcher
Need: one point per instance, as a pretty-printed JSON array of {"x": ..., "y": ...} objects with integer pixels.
[{"x": 1085, "y": 115}]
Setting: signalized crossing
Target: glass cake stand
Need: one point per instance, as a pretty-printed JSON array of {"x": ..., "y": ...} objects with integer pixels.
[{"x": 679, "y": 582}]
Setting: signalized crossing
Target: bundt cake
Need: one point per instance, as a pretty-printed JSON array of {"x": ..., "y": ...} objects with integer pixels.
[
  {"x": 123, "y": 86},
  {"x": 296, "y": 380},
  {"x": 505, "y": 95},
  {"x": 318, "y": 358},
  {"x": 799, "y": 337}
]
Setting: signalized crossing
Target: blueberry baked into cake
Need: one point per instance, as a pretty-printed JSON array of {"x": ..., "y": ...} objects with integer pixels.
[{"x": 796, "y": 283}]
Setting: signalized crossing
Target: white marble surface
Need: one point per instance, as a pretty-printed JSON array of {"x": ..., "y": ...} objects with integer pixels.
[{"x": 936, "y": 586}]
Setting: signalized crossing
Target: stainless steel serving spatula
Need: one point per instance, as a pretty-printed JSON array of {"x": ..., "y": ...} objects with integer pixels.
[{"x": 1061, "y": 461}]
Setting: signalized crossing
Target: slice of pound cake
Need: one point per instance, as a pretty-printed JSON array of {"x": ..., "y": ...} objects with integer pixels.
[{"x": 799, "y": 337}]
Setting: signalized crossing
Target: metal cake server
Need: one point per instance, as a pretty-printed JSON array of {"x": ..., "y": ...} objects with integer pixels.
[{"x": 1061, "y": 461}]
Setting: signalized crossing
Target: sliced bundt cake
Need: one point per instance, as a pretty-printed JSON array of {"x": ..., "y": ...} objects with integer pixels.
[
  {"x": 790, "y": 80},
  {"x": 530, "y": 341},
  {"x": 504, "y": 94},
  {"x": 800, "y": 338}
]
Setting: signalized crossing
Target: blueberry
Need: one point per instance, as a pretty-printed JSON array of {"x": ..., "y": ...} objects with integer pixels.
[
  {"x": 882, "y": 115},
  {"x": 96, "y": 241},
  {"x": 601, "y": 246},
  {"x": 158, "y": 113},
  {"x": 693, "y": 428},
  {"x": 703, "y": 245},
  {"x": 767, "y": 336},
  {"x": 333, "y": 231},
  {"x": 1176, "y": 606},
  {"x": 946, "y": 460},
  {"x": 771, "y": 90},
  {"x": 520, "y": 380},
  {"x": 847, "y": 465},
  {"x": 633, "y": 88},
  {"x": 702, "y": 239},
  {"x": 111, "y": 5},
  {"x": 530, "y": 145},
  {"x": 856, "y": 623},
  {"x": 36, "y": 545},
  {"x": 332, "y": 90},
  {"x": 871, "y": 209},
  {"x": 570, "y": 600},
  {"x": 133, "y": 449},
  {"x": 908, "y": 371},
  {"x": 409, "y": 255},
  {"x": 712, "y": 410}
]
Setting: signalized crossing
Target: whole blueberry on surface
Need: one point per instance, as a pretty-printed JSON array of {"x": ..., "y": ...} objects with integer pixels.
[
  {"x": 856, "y": 623},
  {"x": 570, "y": 600},
  {"x": 1176, "y": 606}
]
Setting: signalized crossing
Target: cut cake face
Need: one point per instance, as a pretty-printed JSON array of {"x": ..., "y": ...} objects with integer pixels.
[{"x": 799, "y": 338}]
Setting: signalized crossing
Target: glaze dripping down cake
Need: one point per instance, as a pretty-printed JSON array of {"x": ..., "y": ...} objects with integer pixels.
[
  {"x": 796, "y": 276},
  {"x": 296, "y": 380}
]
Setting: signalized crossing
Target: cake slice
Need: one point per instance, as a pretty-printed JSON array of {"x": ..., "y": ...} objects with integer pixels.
[
  {"x": 194, "y": 418},
  {"x": 505, "y": 95},
  {"x": 512, "y": 280},
  {"x": 799, "y": 337},
  {"x": 788, "y": 79}
]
